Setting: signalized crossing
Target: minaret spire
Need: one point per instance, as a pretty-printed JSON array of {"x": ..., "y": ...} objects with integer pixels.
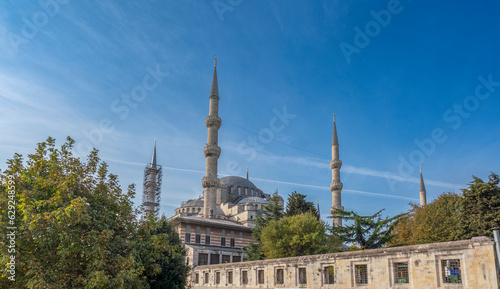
[
  {"x": 423, "y": 194},
  {"x": 152, "y": 186},
  {"x": 336, "y": 185},
  {"x": 247, "y": 173},
  {"x": 153, "y": 162},
  {"x": 212, "y": 151}
]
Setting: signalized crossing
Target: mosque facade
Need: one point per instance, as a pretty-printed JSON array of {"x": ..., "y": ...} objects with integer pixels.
[{"x": 217, "y": 227}]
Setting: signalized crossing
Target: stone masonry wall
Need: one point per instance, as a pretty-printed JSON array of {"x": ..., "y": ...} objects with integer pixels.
[{"x": 472, "y": 262}]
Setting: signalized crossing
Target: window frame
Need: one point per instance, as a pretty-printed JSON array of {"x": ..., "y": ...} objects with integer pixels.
[
  {"x": 443, "y": 275},
  {"x": 217, "y": 277},
  {"x": 356, "y": 268},
  {"x": 276, "y": 279},
  {"x": 243, "y": 277},
  {"x": 258, "y": 279},
  {"x": 301, "y": 273},
  {"x": 395, "y": 272},
  {"x": 206, "y": 277},
  {"x": 326, "y": 275},
  {"x": 229, "y": 277}
]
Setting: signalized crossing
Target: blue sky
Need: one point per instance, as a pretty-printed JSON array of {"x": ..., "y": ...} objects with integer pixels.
[{"x": 411, "y": 83}]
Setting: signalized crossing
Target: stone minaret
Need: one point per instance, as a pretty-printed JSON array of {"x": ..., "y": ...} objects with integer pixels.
[
  {"x": 210, "y": 181},
  {"x": 152, "y": 186},
  {"x": 423, "y": 195},
  {"x": 336, "y": 185}
]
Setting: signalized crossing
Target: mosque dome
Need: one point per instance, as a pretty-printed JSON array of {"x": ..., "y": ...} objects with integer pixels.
[{"x": 235, "y": 180}]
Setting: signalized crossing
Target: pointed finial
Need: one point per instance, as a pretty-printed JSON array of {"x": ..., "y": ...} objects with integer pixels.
[
  {"x": 247, "y": 173},
  {"x": 335, "y": 140},
  {"x": 153, "y": 161},
  {"x": 422, "y": 186},
  {"x": 214, "y": 92}
]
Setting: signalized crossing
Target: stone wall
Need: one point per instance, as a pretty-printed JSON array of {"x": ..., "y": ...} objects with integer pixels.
[{"x": 438, "y": 265}]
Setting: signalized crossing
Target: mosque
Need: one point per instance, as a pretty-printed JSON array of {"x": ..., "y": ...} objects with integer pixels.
[{"x": 218, "y": 226}]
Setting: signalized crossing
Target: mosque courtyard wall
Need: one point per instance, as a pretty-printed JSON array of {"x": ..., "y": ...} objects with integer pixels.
[{"x": 448, "y": 265}]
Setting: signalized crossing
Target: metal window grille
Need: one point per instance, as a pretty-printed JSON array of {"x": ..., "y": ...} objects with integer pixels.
[
  {"x": 244, "y": 277},
  {"x": 361, "y": 272},
  {"x": 401, "y": 273},
  {"x": 197, "y": 238},
  {"x": 202, "y": 259},
  {"x": 452, "y": 272},
  {"x": 233, "y": 242},
  {"x": 329, "y": 277},
  {"x": 279, "y": 276},
  {"x": 226, "y": 259},
  {"x": 302, "y": 276},
  {"x": 217, "y": 277},
  {"x": 260, "y": 276},
  {"x": 196, "y": 278},
  {"x": 229, "y": 277},
  {"x": 214, "y": 259},
  {"x": 207, "y": 240},
  {"x": 236, "y": 259},
  {"x": 205, "y": 280},
  {"x": 187, "y": 238},
  {"x": 223, "y": 241}
]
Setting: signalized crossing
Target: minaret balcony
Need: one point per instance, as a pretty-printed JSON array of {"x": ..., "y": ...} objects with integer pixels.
[
  {"x": 210, "y": 182},
  {"x": 336, "y": 186},
  {"x": 211, "y": 150},
  {"x": 335, "y": 164},
  {"x": 213, "y": 120}
]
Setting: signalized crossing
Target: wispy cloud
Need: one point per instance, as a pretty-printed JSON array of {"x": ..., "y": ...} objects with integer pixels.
[
  {"x": 326, "y": 188},
  {"x": 279, "y": 182},
  {"x": 324, "y": 164}
]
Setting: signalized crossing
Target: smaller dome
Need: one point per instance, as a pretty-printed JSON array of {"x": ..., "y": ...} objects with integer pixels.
[
  {"x": 193, "y": 203},
  {"x": 253, "y": 200}
]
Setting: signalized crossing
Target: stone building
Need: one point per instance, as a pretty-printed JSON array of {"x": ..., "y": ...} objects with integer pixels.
[
  {"x": 216, "y": 227},
  {"x": 458, "y": 265}
]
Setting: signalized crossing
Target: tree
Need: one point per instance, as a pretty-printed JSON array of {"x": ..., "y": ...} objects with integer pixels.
[
  {"x": 297, "y": 205},
  {"x": 367, "y": 232},
  {"x": 479, "y": 208},
  {"x": 75, "y": 226},
  {"x": 161, "y": 250},
  {"x": 435, "y": 222},
  {"x": 297, "y": 235},
  {"x": 271, "y": 211}
]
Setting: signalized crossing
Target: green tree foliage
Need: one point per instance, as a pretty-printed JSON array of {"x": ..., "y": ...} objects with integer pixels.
[
  {"x": 271, "y": 211},
  {"x": 297, "y": 235},
  {"x": 161, "y": 250},
  {"x": 437, "y": 221},
  {"x": 75, "y": 226},
  {"x": 297, "y": 205},
  {"x": 479, "y": 208},
  {"x": 366, "y": 232}
]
